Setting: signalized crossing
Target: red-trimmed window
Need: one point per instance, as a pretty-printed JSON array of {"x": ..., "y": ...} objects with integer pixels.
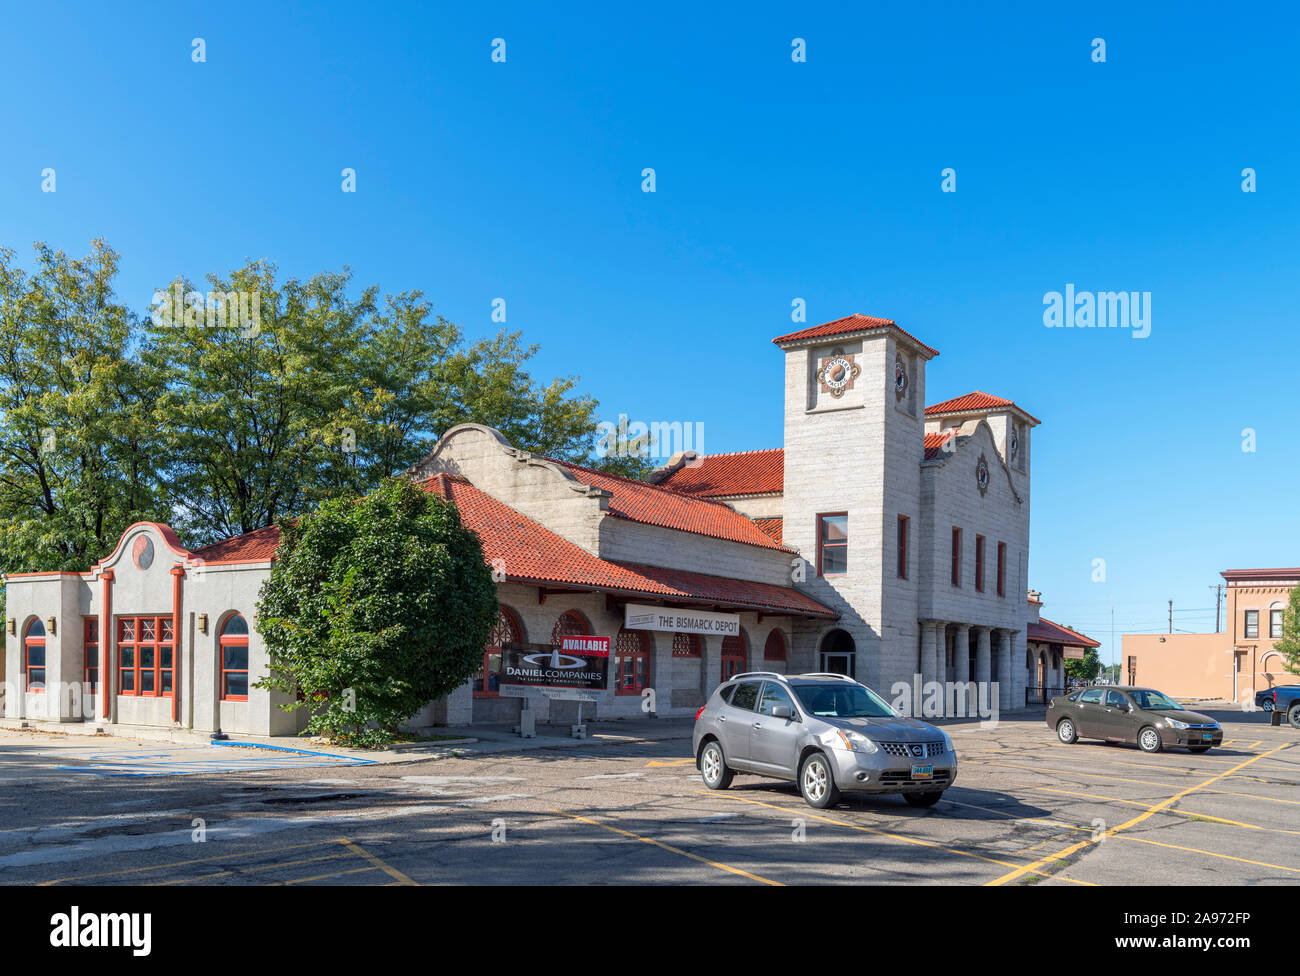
[
  {"x": 144, "y": 656},
  {"x": 569, "y": 624},
  {"x": 34, "y": 655},
  {"x": 506, "y": 631},
  {"x": 956, "y": 556},
  {"x": 1002, "y": 569},
  {"x": 734, "y": 658},
  {"x": 144, "y": 649},
  {"x": 774, "y": 647},
  {"x": 833, "y": 543},
  {"x": 233, "y": 652},
  {"x": 91, "y": 646},
  {"x": 631, "y": 662},
  {"x": 686, "y": 645},
  {"x": 979, "y": 563},
  {"x": 902, "y": 547}
]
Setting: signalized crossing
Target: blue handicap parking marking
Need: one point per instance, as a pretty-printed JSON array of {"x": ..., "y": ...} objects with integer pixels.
[{"x": 251, "y": 756}]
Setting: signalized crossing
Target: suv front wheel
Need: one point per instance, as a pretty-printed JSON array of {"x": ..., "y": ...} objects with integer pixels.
[{"x": 817, "y": 782}]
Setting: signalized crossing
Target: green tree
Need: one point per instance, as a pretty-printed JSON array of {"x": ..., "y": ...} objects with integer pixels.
[
  {"x": 1086, "y": 669},
  {"x": 77, "y": 438},
  {"x": 374, "y": 607},
  {"x": 1289, "y": 643}
]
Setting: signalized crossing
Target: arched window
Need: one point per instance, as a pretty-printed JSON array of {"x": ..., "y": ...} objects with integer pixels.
[
  {"x": 234, "y": 659},
  {"x": 686, "y": 645},
  {"x": 569, "y": 624},
  {"x": 735, "y": 655},
  {"x": 774, "y": 647},
  {"x": 506, "y": 631},
  {"x": 839, "y": 653},
  {"x": 34, "y": 655},
  {"x": 631, "y": 662}
]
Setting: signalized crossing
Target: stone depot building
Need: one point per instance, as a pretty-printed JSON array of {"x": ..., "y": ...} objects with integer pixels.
[{"x": 886, "y": 539}]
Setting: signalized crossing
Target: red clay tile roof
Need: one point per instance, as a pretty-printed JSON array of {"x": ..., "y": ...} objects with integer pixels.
[
  {"x": 1049, "y": 632},
  {"x": 975, "y": 401},
  {"x": 742, "y": 473},
  {"x": 534, "y": 554},
  {"x": 639, "y": 501},
  {"x": 849, "y": 325},
  {"x": 257, "y": 546},
  {"x": 934, "y": 443},
  {"x": 772, "y": 526}
]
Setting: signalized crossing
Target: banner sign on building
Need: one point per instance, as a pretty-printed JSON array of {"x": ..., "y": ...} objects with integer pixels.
[
  {"x": 579, "y": 662},
  {"x": 640, "y": 617}
]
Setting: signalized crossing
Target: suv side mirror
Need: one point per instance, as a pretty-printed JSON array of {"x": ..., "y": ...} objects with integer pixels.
[{"x": 782, "y": 711}]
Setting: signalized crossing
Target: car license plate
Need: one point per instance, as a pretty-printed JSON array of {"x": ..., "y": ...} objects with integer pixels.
[
  {"x": 1207, "y": 735},
  {"x": 923, "y": 772}
]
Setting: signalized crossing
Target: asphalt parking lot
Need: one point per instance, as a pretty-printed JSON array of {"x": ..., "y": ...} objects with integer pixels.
[{"x": 1025, "y": 810}]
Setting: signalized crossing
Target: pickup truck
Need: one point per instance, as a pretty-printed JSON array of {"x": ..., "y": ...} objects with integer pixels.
[{"x": 1286, "y": 703}]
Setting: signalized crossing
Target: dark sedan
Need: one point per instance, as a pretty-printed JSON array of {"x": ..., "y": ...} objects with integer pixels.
[{"x": 1147, "y": 718}]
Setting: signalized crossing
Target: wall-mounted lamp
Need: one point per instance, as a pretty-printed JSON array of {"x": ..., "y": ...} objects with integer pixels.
[
  {"x": 52, "y": 625},
  {"x": 13, "y": 626},
  {"x": 203, "y": 623}
]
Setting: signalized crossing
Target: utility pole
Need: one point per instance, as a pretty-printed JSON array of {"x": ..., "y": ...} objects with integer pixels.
[
  {"x": 1218, "y": 594},
  {"x": 1171, "y": 616}
]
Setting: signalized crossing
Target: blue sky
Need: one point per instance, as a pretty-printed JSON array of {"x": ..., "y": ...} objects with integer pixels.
[{"x": 775, "y": 180}]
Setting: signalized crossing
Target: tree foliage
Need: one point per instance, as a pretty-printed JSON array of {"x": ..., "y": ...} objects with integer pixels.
[
  {"x": 1086, "y": 669},
  {"x": 375, "y": 607}
]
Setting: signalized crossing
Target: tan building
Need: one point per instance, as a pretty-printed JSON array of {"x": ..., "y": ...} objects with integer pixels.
[{"x": 1232, "y": 665}]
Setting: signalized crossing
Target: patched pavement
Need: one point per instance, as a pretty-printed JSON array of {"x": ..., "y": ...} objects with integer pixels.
[{"x": 1025, "y": 809}]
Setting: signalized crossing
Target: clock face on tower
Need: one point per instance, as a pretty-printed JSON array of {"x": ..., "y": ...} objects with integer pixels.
[
  {"x": 1015, "y": 444},
  {"x": 900, "y": 379},
  {"x": 837, "y": 373}
]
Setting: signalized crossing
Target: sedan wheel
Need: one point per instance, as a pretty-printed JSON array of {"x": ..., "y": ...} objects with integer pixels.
[
  {"x": 817, "y": 782},
  {"x": 716, "y": 773},
  {"x": 1149, "y": 740},
  {"x": 1066, "y": 732}
]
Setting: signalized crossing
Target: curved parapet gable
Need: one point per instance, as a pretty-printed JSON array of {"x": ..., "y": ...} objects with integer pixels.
[
  {"x": 539, "y": 487},
  {"x": 161, "y": 538},
  {"x": 965, "y": 433}
]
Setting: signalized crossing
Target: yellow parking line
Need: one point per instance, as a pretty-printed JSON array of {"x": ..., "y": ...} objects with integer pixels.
[
  {"x": 1181, "y": 813},
  {"x": 174, "y": 864},
  {"x": 869, "y": 830},
  {"x": 1074, "y": 848},
  {"x": 389, "y": 870},
  {"x": 664, "y": 762},
  {"x": 668, "y": 847},
  {"x": 1124, "y": 779},
  {"x": 251, "y": 870},
  {"x": 322, "y": 877},
  {"x": 1227, "y": 857},
  {"x": 1254, "y": 744}
]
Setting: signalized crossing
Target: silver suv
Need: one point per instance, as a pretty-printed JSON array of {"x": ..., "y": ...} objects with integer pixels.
[{"x": 825, "y": 732}]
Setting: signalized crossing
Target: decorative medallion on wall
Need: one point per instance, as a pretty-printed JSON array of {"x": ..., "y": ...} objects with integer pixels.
[
  {"x": 142, "y": 552},
  {"x": 982, "y": 474},
  {"x": 900, "y": 379},
  {"x": 837, "y": 373},
  {"x": 1013, "y": 447}
]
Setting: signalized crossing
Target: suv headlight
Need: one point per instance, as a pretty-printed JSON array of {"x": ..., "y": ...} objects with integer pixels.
[
  {"x": 857, "y": 742},
  {"x": 1175, "y": 724},
  {"x": 949, "y": 748}
]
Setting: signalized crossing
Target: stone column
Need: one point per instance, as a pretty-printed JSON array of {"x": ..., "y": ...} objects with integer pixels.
[
  {"x": 961, "y": 665},
  {"x": 711, "y": 665},
  {"x": 983, "y": 655},
  {"x": 927, "y": 653},
  {"x": 1006, "y": 681}
]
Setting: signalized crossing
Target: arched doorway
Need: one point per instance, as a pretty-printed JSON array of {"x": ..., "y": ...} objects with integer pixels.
[
  {"x": 734, "y": 655},
  {"x": 838, "y": 654}
]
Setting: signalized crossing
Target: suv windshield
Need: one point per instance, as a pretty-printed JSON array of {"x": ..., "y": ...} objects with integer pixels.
[
  {"x": 841, "y": 701},
  {"x": 1153, "y": 701}
]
